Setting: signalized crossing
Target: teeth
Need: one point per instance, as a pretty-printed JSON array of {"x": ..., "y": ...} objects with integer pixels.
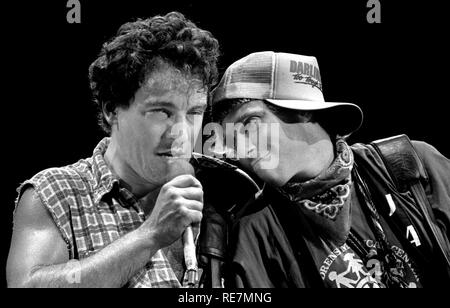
[{"x": 178, "y": 153}]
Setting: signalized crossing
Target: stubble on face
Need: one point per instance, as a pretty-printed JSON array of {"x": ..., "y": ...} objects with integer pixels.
[
  {"x": 142, "y": 138},
  {"x": 299, "y": 148}
]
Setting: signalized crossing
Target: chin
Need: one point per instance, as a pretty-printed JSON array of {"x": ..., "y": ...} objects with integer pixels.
[{"x": 156, "y": 176}]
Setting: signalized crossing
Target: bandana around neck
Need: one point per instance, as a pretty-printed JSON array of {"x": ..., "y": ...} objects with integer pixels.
[{"x": 327, "y": 193}]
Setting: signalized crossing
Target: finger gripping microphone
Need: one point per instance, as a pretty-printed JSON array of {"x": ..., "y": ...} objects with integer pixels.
[{"x": 176, "y": 168}]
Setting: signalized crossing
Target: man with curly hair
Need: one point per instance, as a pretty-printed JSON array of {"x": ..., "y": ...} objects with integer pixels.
[{"x": 116, "y": 219}]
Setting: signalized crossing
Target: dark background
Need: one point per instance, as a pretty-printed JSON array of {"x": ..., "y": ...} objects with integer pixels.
[{"x": 396, "y": 70}]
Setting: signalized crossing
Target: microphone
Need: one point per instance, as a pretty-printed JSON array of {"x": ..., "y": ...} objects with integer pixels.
[
  {"x": 179, "y": 167},
  {"x": 190, "y": 257}
]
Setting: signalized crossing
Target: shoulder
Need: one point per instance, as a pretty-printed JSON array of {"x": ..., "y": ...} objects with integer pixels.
[
  {"x": 54, "y": 188},
  {"x": 47, "y": 193},
  {"x": 33, "y": 219},
  {"x": 432, "y": 159},
  {"x": 76, "y": 171},
  {"x": 74, "y": 177},
  {"x": 44, "y": 203},
  {"x": 426, "y": 150},
  {"x": 366, "y": 155},
  {"x": 436, "y": 164},
  {"x": 31, "y": 209},
  {"x": 362, "y": 149}
]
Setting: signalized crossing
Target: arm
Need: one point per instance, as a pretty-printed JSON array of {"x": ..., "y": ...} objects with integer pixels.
[
  {"x": 39, "y": 258},
  {"x": 38, "y": 255}
]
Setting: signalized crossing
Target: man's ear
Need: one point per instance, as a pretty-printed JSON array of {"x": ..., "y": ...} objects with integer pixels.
[{"x": 110, "y": 113}]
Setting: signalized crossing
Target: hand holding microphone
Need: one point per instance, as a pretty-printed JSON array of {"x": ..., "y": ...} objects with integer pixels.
[
  {"x": 179, "y": 205},
  {"x": 176, "y": 168}
]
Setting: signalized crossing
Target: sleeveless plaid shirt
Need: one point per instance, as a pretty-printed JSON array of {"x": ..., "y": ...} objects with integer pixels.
[{"x": 91, "y": 211}]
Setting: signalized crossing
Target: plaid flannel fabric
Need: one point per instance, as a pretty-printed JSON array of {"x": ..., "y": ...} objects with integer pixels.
[{"x": 91, "y": 211}]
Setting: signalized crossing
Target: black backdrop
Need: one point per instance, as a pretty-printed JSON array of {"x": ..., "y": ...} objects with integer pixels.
[{"x": 393, "y": 70}]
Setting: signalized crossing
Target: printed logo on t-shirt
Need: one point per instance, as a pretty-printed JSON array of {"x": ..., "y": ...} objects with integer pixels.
[{"x": 344, "y": 269}]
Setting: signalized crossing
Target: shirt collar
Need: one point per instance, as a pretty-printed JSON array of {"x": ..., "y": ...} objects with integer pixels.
[{"x": 106, "y": 182}]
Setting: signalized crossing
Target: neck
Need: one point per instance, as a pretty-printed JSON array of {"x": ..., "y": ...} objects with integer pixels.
[{"x": 131, "y": 180}]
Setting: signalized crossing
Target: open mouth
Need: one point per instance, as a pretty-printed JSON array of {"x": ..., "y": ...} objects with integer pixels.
[
  {"x": 166, "y": 155},
  {"x": 173, "y": 154}
]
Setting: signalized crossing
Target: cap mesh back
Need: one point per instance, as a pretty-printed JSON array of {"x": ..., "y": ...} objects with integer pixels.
[
  {"x": 250, "y": 77},
  {"x": 255, "y": 69}
]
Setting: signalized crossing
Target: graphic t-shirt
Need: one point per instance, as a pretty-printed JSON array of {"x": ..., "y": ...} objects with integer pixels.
[
  {"x": 342, "y": 267},
  {"x": 264, "y": 256}
]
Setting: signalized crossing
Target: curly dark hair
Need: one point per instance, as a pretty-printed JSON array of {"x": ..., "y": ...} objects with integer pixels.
[{"x": 126, "y": 60}]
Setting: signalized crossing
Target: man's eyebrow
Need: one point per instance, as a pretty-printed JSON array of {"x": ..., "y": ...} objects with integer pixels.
[
  {"x": 159, "y": 104},
  {"x": 169, "y": 105}
]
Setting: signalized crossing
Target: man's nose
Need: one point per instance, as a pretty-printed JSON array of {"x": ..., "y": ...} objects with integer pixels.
[
  {"x": 178, "y": 134},
  {"x": 246, "y": 147},
  {"x": 178, "y": 128}
]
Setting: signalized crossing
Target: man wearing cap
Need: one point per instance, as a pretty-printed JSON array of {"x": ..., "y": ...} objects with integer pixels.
[{"x": 328, "y": 214}]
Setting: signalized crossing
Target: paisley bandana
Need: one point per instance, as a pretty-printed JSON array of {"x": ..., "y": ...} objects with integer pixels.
[{"x": 327, "y": 193}]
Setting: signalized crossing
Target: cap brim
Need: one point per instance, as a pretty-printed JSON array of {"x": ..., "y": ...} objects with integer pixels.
[{"x": 347, "y": 118}]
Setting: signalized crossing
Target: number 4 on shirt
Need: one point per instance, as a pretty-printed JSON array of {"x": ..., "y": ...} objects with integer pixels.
[{"x": 411, "y": 232}]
